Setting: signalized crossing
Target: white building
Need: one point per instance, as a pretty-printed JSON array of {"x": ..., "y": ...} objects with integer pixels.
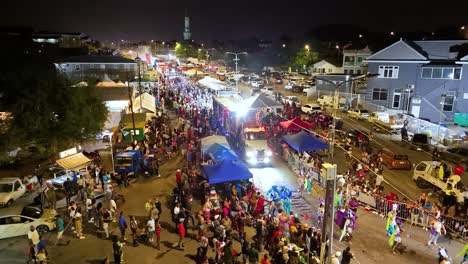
[{"x": 325, "y": 67}]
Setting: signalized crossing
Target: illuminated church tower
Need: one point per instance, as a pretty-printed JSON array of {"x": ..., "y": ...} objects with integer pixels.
[{"x": 187, "y": 34}]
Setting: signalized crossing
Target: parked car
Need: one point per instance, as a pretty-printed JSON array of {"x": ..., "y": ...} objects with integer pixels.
[
  {"x": 311, "y": 108},
  {"x": 257, "y": 83},
  {"x": 297, "y": 88},
  {"x": 308, "y": 91},
  {"x": 457, "y": 155},
  {"x": 288, "y": 87},
  {"x": 11, "y": 189},
  {"x": 17, "y": 222},
  {"x": 395, "y": 161},
  {"x": 358, "y": 113},
  {"x": 268, "y": 90},
  {"x": 278, "y": 80},
  {"x": 419, "y": 142},
  {"x": 291, "y": 100}
]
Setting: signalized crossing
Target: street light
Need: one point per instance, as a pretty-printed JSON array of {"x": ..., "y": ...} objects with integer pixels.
[
  {"x": 284, "y": 45},
  {"x": 307, "y": 47},
  {"x": 236, "y": 59},
  {"x": 327, "y": 229}
]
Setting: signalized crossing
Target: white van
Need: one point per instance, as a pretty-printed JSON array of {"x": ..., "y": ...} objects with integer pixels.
[{"x": 326, "y": 100}]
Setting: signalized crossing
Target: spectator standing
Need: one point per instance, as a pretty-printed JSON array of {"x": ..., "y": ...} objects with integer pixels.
[{"x": 122, "y": 224}]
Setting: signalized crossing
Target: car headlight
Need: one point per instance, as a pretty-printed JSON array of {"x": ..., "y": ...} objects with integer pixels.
[
  {"x": 269, "y": 153},
  {"x": 250, "y": 154},
  {"x": 253, "y": 161}
]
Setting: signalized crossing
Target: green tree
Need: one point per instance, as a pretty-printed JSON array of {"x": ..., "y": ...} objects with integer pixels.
[
  {"x": 48, "y": 112},
  {"x": 304, "y": 59},
  {"x": 185, "y": 50}
]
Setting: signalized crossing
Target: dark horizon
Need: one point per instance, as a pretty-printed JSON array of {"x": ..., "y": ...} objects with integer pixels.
[{"x": 146, "y": 20}]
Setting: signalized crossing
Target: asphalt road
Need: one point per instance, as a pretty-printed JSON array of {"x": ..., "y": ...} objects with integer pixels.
[{"x": 369, "y": 241}]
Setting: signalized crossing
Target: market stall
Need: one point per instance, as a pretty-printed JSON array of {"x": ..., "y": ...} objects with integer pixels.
[
  {"x": 304, "y": 141},
  {"x": 219, "y": 152},
  {"x": 206, "y": 142},
  {"x": 226, "y": 171},
  {"x": 296, "y": 124}
]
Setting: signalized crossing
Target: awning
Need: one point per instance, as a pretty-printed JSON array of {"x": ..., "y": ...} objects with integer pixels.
[
  {"x": 206, "y": 142},
  {"x": 74, "y": 162},
  {"x": 219, "y": 152},
  {"x": 226, "y": 171},
  {"x": 296, "y": 124},
  {"x": 304, "y": 141}
]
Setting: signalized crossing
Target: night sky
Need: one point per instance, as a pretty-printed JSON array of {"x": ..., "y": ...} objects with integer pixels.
[{"x": 210, "y": 19}]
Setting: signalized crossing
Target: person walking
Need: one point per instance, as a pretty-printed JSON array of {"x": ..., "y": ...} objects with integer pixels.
[
  {"x": 122, "y": 224},
  {"x": 158, "y": 235},
  {"x": 335, "y": 259},
  {"x": 107, "y": 219},
  {"x": 151, "y": 229},
  {"x": 464, "y": 253},
  {"x": 33, "y": 235},
  {"x": 252, "y": 255},
  {"x": 133, "y": 228},
  {"x": 347, "y": 256},
  {"x": 118, "y": 250},
  {"x": 79, "y": 223},
  {"x": 437, "y": 227},
  {"x": 60, "y": 228},
  {"x": 181, "y": 230}
]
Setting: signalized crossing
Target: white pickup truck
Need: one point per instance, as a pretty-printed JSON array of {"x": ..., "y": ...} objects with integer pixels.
[
  {"x": 11, "y": 189},
  {"x": 426, "y": 175},
  {"x": 382, "y": 121}
]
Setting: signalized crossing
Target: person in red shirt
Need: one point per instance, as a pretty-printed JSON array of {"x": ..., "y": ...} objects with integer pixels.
[
  {"x": 459, "y": 170},
  {"x": 178, "y": 176},
  {"x": 181, "y": 229}
]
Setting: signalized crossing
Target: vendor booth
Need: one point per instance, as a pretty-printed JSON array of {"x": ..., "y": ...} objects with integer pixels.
[
  {"x": 219, "y": 152},
  {"x": 295, "y": 124},
  {"x": 304, "y": 141},
  {"x": 206, "y": 142},
  {"x": 226, "y": 171}
]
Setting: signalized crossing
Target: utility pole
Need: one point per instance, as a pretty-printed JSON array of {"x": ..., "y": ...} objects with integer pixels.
[
  {"x": 138, "y": 60},
  {"x": 442, "y": 103},
  {"x": 131, "y": 109},
  {"x": 236, "y": 59},
  {"x": 329, "y": 173}
]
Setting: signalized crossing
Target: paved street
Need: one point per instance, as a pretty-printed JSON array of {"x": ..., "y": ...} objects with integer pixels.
[{"x": 369, "y": 242}]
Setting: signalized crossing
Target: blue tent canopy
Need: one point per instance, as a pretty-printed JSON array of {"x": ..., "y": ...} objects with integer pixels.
[
  {"x": 304, "y": 141},
  {"x": 226, "y": 171},
  {"x": 220, "y": 152}
]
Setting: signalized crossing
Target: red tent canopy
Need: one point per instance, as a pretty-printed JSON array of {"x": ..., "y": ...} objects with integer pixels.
[{"x": 296, "y": 124}]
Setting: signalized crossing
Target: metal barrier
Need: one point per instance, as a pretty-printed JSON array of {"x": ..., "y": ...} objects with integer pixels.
[{"x": 457, "y": 227}]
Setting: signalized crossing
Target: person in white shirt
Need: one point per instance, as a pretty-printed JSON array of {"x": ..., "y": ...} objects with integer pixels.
[
  {"x": 436, "y": 228},
  {"x": 112, "y": 208},
  {"x": 33, "y": 235},
  {"x": 150, "y": 228}
]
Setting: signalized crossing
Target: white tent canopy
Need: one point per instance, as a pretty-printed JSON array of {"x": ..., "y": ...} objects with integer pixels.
[
  {"x": 212, "y": 83},
  {"x": 147, "y": 102}
]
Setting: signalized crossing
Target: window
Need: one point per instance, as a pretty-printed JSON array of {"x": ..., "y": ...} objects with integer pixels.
[
  {"x": 396, "y": 99},
  {"x": 330, "y": 70},
  {"x": 17, "y": 186},
  {"x": 436, "y": 73},
  {"x": 379, "y": 94},
  {"x": 350, "y": 72},
  {"x": 77, "y": 67},
  {"x": 448, "y": 102},
  {"x": 427, "y": 73},
  {"x": 349, "y": 59},
  {"x": 390, "y": 72},
  {"x": 359, "y": 59},
  {"x": 449, "y": 73}
]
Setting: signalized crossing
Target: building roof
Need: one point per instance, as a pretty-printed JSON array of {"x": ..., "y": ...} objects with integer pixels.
[
  {"x": 324, "y": 62},
  {"x": 96, "y": 59},
  {"x": 424, "y": 50}
]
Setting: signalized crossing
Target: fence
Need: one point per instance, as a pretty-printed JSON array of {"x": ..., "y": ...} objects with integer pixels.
[{"x": 457, "y": 227}]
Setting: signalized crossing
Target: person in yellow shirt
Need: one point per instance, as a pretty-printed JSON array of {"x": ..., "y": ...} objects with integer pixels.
[
  {"x": 464, "y": 253},
  {"x": 441, "y": 172}
]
